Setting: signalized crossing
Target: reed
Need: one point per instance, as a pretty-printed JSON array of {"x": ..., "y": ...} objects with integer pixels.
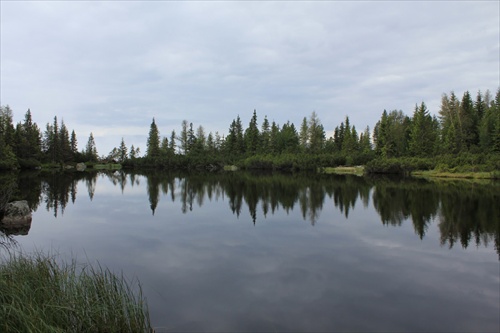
[{"x": 40, "y": 294}]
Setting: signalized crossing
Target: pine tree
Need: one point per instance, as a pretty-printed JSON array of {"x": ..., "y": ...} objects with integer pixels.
[
  {"x": 7, "y": 130},
  {"x": 65, "y": 144},
  {"x": 252, "y": 135},
  {"x": 349, "y": 141},
  {"x": 288, "y": 141},
  {"x": 365, "y": 144},
  {"x": 33, "y": 137},
  {"x": 450, "y": 121},
  {"x": 132, "y": 154},
  {"x": 265, "y": 135},
  {"x": 183, "y": 137},
  {"x": 423, "y": 135},
  {"x": 480, "y": 107},
  {"x": 211, "y": 143},
  {"x": 122, "y": 151},
  {"x": 164, "y": 150},
  {"x": 469, "y": 121},
  {"x": 91, "y": 149},
  {"x": 391, "y": 134},
  {"x": 240, "y": 142},
  {"x": 273, "y": 138},
  {"x": 304, "y": 135},
  {"x": 153, "y": 143},
  {"x": 171, "y": 145},
  {"x": 191, "y": 138},
  {"x": 496, "y": 117},
  {"x": 73, "y": 143},
  {"x": 316, "y": 133}
]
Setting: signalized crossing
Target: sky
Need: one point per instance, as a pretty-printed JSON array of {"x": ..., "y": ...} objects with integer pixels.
[{"x": 110, "y": 67}]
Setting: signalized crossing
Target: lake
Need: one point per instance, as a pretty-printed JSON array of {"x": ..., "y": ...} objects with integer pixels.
[{"x": 252, "y": 252}]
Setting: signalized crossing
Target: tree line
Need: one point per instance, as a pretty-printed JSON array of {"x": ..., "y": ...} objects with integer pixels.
[{"x": 462, "y": 126}]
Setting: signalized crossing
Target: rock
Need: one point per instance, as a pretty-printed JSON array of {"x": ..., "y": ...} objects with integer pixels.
[
  {"x": 16, "y": 218},
  {"x": 81, "y": 167}
]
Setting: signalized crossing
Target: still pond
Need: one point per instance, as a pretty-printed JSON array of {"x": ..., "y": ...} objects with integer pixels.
[{"x": 282, "y": 252}]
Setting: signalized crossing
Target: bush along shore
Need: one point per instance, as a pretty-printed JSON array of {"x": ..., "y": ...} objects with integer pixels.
[
  {"x": 40, "y": 294},
  {"x": 484, "y": 166}
]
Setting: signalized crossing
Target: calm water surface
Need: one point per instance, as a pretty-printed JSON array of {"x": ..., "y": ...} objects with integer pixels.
[{"x": 249, "y": 253}]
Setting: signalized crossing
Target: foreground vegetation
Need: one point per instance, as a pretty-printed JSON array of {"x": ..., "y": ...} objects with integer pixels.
[{"x": 39, "y": 294}]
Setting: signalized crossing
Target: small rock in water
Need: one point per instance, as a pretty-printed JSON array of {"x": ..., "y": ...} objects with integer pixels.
[{"x": 16, "y": 218}]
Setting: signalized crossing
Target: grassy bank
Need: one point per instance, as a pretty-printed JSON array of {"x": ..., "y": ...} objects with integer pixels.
[
  {"x": 456, "y": 175},
  {"x": 38, "y": 294}
]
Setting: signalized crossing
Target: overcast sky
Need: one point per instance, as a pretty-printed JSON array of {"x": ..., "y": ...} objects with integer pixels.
[{"x": 110, "y": 67}]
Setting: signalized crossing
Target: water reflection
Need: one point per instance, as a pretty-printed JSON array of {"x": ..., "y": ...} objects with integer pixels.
[{"x": 465, "y": 212}]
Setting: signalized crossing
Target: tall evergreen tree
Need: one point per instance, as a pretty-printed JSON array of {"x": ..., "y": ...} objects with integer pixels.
[
  {"x": 240, "y": 142},
  {"x": 365, "y": 144},
  {"x": 211, "y": 144},
  {"x": 265, "y": 135},
  {"x": 273, "y": 138},
  {"x": 316, "y": 133},
  {"x": 496, "y": 117},
  {"x": 288, "y": 139},
  {"x": 164, "y": 150},
  {"x": 391, "y": 134},
  {"x": 132, "y": 153},
  {"x": 91, "y": 149},
  {"x": 451, "y": 126},
  {"x": 200, "y": 141},
  {"x": 183, "y": 137},
  {"x": 73, "y": 143},
  {"x": 65, "y": 144},
  {"x": 33, "y": 136},
  {"x": 153, "y": 144},
  {"x": 469, "y": 122},
  {"x": 423, "y": 133},
  {"x": 191, "y": 138},
  {"x": 304, "y": 135},
  {"x": 252, "y": 135},
  {"x": 172, "y": 146},
  {"x": 122, "y": 151},
  {"x": 7, "y": 130},
  {"x": 350, "y": 138}
]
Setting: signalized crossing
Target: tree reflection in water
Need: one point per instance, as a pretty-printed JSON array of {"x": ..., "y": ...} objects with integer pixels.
[{"x": 465, "y": 211}]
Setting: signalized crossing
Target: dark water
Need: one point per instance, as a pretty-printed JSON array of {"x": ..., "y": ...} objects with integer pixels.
[{"x": 249, "y": 253}]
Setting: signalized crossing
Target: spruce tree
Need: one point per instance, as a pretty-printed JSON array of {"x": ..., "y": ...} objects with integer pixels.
[
  {"x": 316, "y": 133},
  {"x": 422, "y": 133},
  {"x": 153, "y": 143},
  {"x": 91, "y": 149},
  {"x": 265, "y": 134},
  {"x": 73, "y": 143},
  {"x": 171, "y": 145},
  {"x": 183, "y": 137},
  {"x": 469, "y": 122},
  {"x": 304, "y": 135},
  {"x": 65, "y": 144},
  {"x": 122, "y": 151},
  {"x": 252, "y": 135}
]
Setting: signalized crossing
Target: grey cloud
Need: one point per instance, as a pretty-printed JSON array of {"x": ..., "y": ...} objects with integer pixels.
[{"x": 106, "y": 64}]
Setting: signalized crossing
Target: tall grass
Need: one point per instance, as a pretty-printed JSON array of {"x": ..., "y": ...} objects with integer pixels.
[{"x": 38, "y": 294}]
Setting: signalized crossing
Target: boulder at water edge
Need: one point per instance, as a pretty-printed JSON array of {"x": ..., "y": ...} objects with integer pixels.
[
  {"x": 16, "y": 218},
  {"x": 81, "y": 167}
]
